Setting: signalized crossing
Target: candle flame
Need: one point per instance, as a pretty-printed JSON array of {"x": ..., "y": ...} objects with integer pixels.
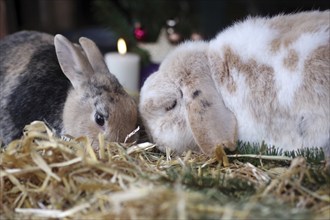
[{"x": 121, "y": 45}]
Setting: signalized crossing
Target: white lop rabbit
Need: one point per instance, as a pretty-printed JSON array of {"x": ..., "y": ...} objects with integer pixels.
[
  {"x": 48, "y": 78},
  {"x": 262, "y": 79}
]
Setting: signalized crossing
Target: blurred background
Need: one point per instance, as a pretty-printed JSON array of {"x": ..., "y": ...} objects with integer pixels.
[
  {"x": 151, "y": 28},
  {"x": 204, "y": 17}
]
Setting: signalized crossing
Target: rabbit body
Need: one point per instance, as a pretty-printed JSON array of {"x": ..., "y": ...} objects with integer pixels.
[
  {"x": 276, "y": 78},
  {"x": 262, "y": 79},
  {"x": 50, "y": 79}
]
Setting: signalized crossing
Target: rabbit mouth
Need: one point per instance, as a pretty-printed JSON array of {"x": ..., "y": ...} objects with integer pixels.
[{"x": 178, "y": 142}]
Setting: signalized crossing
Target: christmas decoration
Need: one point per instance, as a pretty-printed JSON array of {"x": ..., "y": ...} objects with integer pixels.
[
  {"x": 159, "y": 49},
  {"x": 142, "y": 21},
  {"x": 139, "y": 32},
  {"x": 195, "y": 36},
  {"x": 125, "y": 66},
  {"x": 173, "y": 35}
]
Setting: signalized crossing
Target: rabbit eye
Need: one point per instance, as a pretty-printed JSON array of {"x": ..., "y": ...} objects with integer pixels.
[
  {"x": 172, "y": 106},
  {"x": 99, "y": 119}
]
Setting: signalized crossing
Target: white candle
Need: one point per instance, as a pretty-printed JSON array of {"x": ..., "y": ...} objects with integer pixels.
[{"x": 125, "y": 66}]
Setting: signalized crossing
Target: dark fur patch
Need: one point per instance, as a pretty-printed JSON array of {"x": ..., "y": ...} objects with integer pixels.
[
  {"x": 101, "y": 88},
  {"x": 98, "y": 90},
  {"x": 302, "y": 126},
  {"x": 116, "y": 87},
  {"x": 196, "y": 93},
  {"x": 13, "y": 41},
  {"x": 41, "y": 92},
  {"x": 111, "y": 87},
  {"x": 205, "y": 103}
]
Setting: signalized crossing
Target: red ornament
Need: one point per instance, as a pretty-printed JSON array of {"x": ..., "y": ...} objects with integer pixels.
[{"x": 139, "y": 32}]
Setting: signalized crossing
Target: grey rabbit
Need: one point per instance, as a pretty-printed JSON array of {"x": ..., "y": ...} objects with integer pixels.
[{"x": 68, "y": 86}]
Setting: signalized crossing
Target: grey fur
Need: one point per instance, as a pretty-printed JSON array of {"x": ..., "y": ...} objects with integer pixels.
[{"x": 36, "y": 85}]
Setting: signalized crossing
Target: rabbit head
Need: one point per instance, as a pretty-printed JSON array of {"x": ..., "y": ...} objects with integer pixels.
[
  {"x": 180, "y": 106},
  {"x": 97, "y": 103}
]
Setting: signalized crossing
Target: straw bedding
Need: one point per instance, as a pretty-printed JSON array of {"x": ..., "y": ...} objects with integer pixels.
[{"x": 43, "y": 176}]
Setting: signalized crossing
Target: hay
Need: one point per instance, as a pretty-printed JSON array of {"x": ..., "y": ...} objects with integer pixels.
[{"x": 43, "y": 176}]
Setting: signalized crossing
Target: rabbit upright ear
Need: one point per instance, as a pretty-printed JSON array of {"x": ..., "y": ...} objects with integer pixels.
[
  {"x": 73, "y": 63},
  {"x": 93, "y": 54},
  {"x": 211, "y": 122},
  {"x": 95, "y": 58}
]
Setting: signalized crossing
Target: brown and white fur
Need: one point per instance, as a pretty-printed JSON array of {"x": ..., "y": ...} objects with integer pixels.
[
  {"x": 68, "y": 86},
  {"x": 262, "y": 79}
]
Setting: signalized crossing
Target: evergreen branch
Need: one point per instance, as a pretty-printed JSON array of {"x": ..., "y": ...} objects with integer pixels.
[
  {"x": 262, "y": 151},
  {"x": 110, "y": 15}
]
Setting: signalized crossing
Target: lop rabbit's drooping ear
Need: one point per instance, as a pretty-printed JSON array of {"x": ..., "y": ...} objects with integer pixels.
[
  {"x": 211, "y": 123},
  {"x": 181, "y": 107}
]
